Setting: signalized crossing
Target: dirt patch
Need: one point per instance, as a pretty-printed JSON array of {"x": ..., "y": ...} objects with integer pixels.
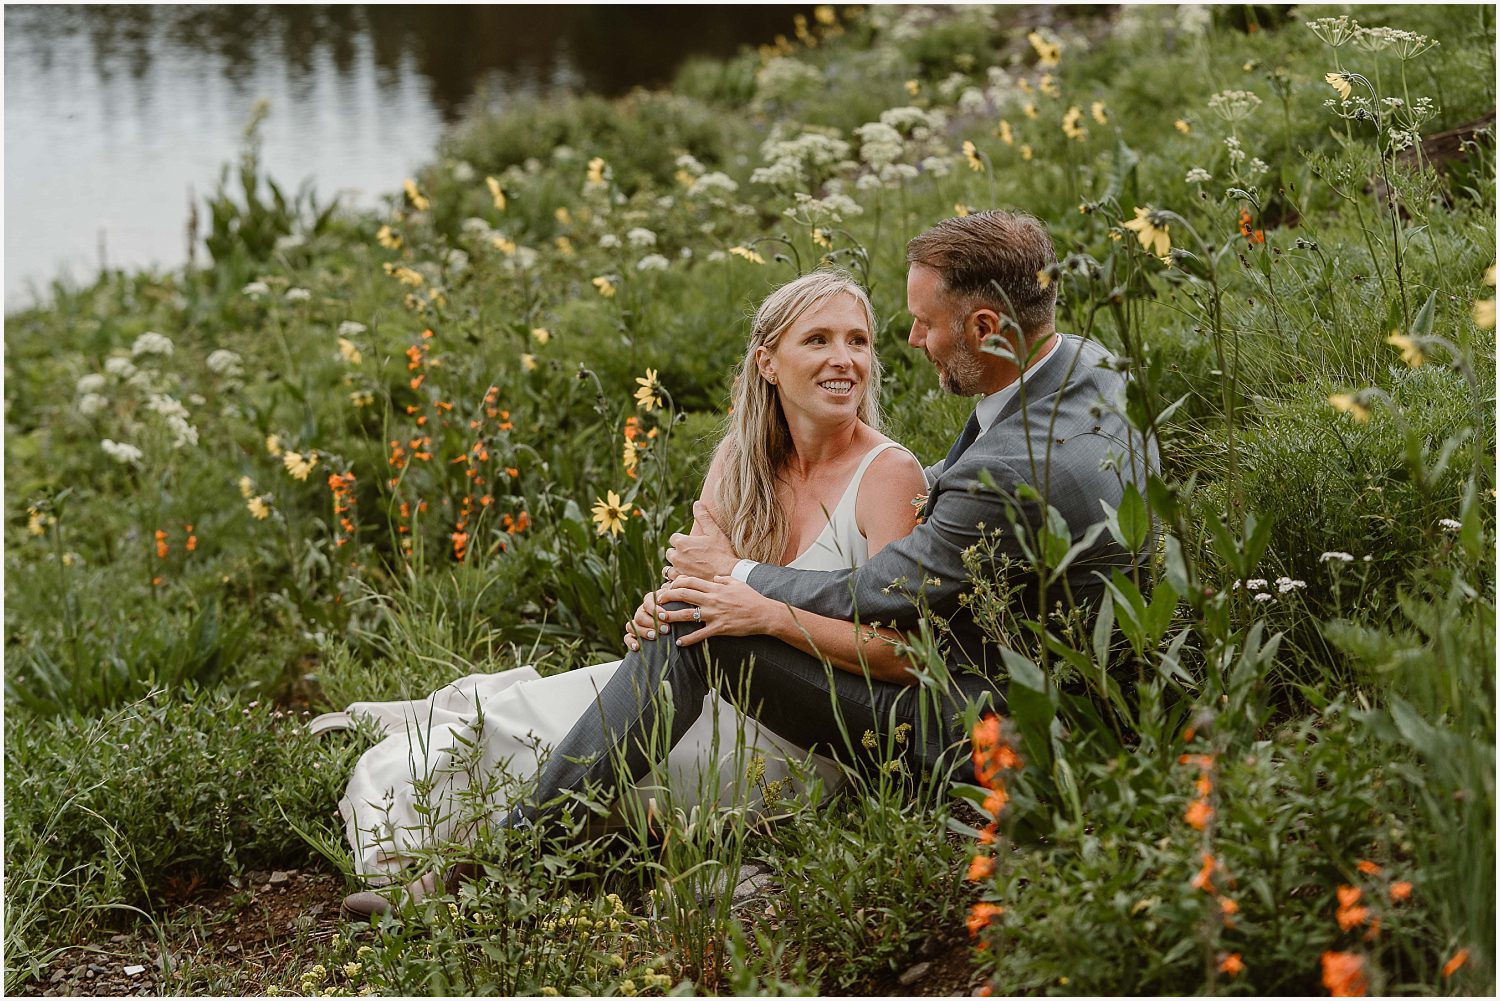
[{"x": 229, "y": 940}]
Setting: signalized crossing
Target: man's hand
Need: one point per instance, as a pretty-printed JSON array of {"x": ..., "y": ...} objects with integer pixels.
[{"x": 706, "y": 555}]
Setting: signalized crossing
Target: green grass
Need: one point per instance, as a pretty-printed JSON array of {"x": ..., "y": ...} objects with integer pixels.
[{"x": 1349, "y": 719}]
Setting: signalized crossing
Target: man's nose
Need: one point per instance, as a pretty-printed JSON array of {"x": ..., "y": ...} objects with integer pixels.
[{"x": 915, "y": 338}]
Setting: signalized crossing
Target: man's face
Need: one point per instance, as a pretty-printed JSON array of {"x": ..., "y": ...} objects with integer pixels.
[{"x": 940, "y": 329}]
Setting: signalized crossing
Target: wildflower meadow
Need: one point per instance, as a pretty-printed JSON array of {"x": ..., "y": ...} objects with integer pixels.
[{"x": 355, "y": 455}]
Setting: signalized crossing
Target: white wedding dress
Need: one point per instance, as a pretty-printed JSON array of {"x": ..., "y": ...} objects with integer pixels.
[{"x": 407, "y": 792}]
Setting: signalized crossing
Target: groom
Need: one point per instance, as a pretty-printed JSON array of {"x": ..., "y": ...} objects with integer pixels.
[{"x": 1045, "y": 434}]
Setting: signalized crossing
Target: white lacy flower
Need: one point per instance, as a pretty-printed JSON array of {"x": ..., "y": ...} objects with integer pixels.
[
  {"x": 1285, "y": 584},
  {"x": 224, "y": 362},
  {"x": 1256, "y": 584},
  {"x": 937, "y": 166},
  {"x": 609, "y": 241},
  {"x": 1198, "y": 176},
  {"x": 90, "y": 404},
  {"x": 351, "y": 328},
  {"x": 463, "y": 172},
  {"x": 298, "y": 295},
  {"x": 151, "y": 343},
  {"x": 880, "y": 144},
  {"x": 475, "y": 226},
  {"x": 972, "y": 101},
  {"x": 690, "y": 163},
  {"x": 457, "y": 261},
  {"x": 290, "y": 242},
  {"x": 717, "y": 255},
  {"x": 1450, "y": 524},
  {"x": 641, "y": 237},
  {"x": 868, "y": 182},
  {"x": 123, "y": 453},
  {"x": 256, "y": 289},
  {"x": 714, "y": 182},
  {"x": 1194, "y": 18},
  {"x": 91, "y": 383},
  {"x": 121, "y": 368},
  {"x": 652, "y": 262},
  {"x": 1341, "y": 557},
  {"x": 1264, "y": 597}
]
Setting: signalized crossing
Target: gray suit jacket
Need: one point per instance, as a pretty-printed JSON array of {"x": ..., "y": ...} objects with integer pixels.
[{"x": 1081, "y": 452}]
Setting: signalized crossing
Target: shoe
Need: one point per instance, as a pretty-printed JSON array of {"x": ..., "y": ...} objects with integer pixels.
[{"x": 367, "y": 903}]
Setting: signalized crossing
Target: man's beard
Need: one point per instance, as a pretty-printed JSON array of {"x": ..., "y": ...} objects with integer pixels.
[{"x": 962, "y": 372}]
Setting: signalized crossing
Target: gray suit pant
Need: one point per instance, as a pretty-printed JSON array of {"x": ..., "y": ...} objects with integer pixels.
[{"x": 796, "y": 695}]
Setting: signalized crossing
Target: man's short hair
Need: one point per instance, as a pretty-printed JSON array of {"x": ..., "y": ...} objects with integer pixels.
[{"x": 992, "y": 259}]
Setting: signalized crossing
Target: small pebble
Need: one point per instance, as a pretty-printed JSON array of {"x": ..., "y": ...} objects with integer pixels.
[
  {"x": 134, "y": 971},
  {"x": 278, "y": 877},
  {"x": 914, "y": 974}
]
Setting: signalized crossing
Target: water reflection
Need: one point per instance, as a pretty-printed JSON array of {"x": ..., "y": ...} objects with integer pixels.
[{"x": 112, "y": 112}]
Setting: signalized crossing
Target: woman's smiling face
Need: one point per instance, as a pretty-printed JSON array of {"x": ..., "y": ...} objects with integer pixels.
[{"x": 821, "y": 363}]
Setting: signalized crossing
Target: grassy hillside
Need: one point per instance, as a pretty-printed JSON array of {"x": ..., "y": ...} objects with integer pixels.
[{"x": 359, "y": 455}]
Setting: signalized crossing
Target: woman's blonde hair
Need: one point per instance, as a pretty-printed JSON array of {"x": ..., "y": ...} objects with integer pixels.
[{"x": 759, "y": 442}]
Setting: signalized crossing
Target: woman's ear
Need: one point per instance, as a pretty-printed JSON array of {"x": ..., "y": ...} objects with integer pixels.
[{"x": 764, "y": 364}]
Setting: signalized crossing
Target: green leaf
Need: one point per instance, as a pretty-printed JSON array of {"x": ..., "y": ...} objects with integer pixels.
[
  {"x": 1134, "y": 520},
  {"x": 1421, "y": 324}
]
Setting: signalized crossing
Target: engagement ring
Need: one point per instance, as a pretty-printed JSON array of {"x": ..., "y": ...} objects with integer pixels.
[{"x": 697, "y": 615}]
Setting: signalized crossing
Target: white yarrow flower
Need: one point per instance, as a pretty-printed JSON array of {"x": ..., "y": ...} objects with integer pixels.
[
  {"x": 121, "y": 452},
  {"x": 90, "y": 404},
  {"x": 121, "y": 368},
  {"x": 641, "y": 237},
  {"x": 91, "y": 383},
  {"x": 351, "y": 328},
  {"x": 652, "y": 262},
  {"x": 1449, "y": 524},
  {"x": 1340, "y": 557},
  {"x": 298, "y": 295},
  {"x": 256, "y": 289},
  {"x": 609, "y": 241},
  {"x": 151, "y": 343},
  {"x": 224, "y": 362}
]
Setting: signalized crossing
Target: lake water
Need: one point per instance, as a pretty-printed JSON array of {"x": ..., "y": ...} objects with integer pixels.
[{"x": 114, "y": 114}]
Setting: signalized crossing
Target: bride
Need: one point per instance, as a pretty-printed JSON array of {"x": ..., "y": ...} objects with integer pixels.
[{"x": 803, "y": 477}]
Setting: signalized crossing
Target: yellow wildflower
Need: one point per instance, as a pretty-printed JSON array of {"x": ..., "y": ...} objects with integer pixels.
[
  {"x": 506, "y": 247},
  {"x": 960, "y": 209},
  {"x": 247, "y": 487},
  {"x": 747, "y": 254},
  {"x": 36, "y": 522},
  {"x": 562, "y": 215},
  {"x": 1096, "y": 111},
  {"x": 1026, "y": 151},
  {"x": 1151, "y": 230},
  {"x": 1048, "y": 85},
  {"x": 414, "y": 195},
  {"x": 596, "y": 170},
  {"x": 1048, "y": 53},
  {"x": 1023, "y": 85},
  {"x": 1348, "y": 403},
  {"x": 528, "y": 362},
  {"x": 630, "y": 458},
  {"x": 913, "y": 87},
  {"x": 1070, "y": 125},
  {"x": 684, "y": 178},
  {"x": 496, "y": 192},
  {"x": 1484, "y": 313},
  {"x": 387, "y": 238},
  {"x": 273, "y": 445},
  {"x": 259, "y": 509},
  {"x": 1489, "y": 276},
  {"x": 541, "y": 334},
  {"x": 820, "y": 237},
  {"x": 298, "y": 466},
  {"x": 648, "y": 396},
  {"x": 605, "y": 286},
  {"x": 349, "y": 352},
  {"x": 1029, "y": 110},
  {"x": 1182, "y": 126},
  {"x": 610, "y": 512},
  {"x": 1411, "y": 351},
  {"x": 824, "y": 15},
  {"x": 869, "y": 740},
  {"x": 361, "y": 397},
  {"x": 971, "y": 153},
  {"x": 1340, "y": 83},
  {"x": 564, "y": 246},
  {"x": 403, "y": 274},
  {"x": 1005, "y": 134}
]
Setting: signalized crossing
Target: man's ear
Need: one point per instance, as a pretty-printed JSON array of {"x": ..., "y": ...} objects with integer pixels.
[{"x": 985, "y": 323}]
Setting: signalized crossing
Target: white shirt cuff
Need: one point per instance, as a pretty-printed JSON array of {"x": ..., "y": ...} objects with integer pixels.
[{"x": 741, "y": 571}]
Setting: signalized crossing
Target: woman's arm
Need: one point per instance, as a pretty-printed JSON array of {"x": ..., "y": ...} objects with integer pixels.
[{"x": 884, "y": 512}]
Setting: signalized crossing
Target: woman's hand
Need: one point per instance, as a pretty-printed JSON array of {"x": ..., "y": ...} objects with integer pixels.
[
  {"x": 725, "y": 607},
  {"x": 643, "y": 624}
]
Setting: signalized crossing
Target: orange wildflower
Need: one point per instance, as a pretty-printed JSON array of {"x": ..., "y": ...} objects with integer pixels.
[
  {"x": 1199, "y": 813},
  {"x": 1368, "y": 868},
  {"x": 1203, "y": 880},
  {"x": 460, "y": 544},
  {"x": 1350, "y": 915},
  {"x": 1400, "y": 891},
  {"x": 981, "y": 914},
  {"x": 987, "y": 834},
  {"x": 1232, "y": 965},
  {"x": 1229, "y": 905},
  {"x": 161, "y": 544},
  {"x": 995, "y": 802},
  {"x": 156, "y": 581},
  {"x": 1252, "y": 236},
  {"x": 1344, "y": 974},
  {"x": 1459, "y": 958},
  {"x": 980, "y": 867}
]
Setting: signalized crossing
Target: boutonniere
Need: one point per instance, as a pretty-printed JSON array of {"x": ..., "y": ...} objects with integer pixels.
[{"x": 920, "y": 503}]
